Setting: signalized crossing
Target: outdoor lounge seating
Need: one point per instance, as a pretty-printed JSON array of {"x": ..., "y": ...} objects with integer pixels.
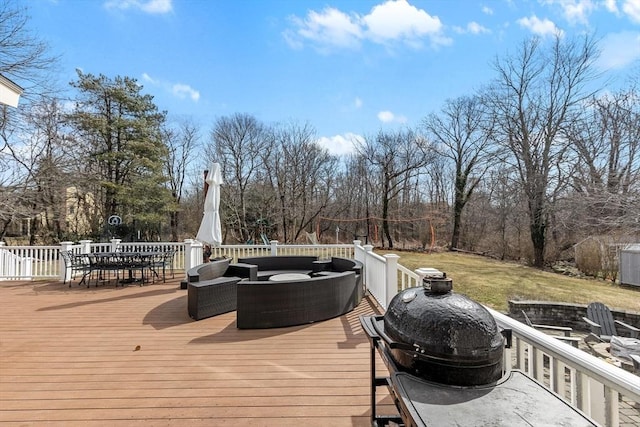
[
  {"x": 273, "y": 304},
  {"x": 208, "y": 292},
  {"x": 333, "y": 287},
  {"x": 209, "y": 270},
  {"x": 565, "y": 330},
  {"x": 212, "y": 297},
  {"x": 271, "y": 265},
  {"x": 326, "y": 289},
  {"x": 211, "y": 287},
  {"x": 602, "y": 324}
]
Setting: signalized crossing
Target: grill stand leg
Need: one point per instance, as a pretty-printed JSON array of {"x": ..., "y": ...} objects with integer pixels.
[{"x": 379, "y": 420}]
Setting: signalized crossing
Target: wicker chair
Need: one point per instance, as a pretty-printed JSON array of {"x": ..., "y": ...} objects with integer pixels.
[{"x": 212, "y": 297}]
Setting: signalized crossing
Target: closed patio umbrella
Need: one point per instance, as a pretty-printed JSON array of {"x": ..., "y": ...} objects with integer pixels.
[{"x": 210, "y": 230}]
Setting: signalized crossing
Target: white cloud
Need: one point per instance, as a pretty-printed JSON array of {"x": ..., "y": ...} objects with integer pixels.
[
  {"x": 149, "y": 6},
  {"x": 157, "y": 6},
  {"x": 398, "y": 20},
  {"x": 147, "y": 78},
  {"x": 182, "y": 90},
  {"x": 475, "y": 28},
  {"x": 487, "y": 10},
  {"x": 394, "y": 21},
  {"x": 179, "y": 90},
  {"x": 575, "y": 11},
  {"x": 472, "y": 28},
  {"x": 541, "y": 27},
  {"x": 389, "y": 117},
  {"x": 357, "y": 103},
  {"x": 340, "y": 144},
  {"x": 330, "y": 27},
  {"x": 632, "y": 9},
  {"x": 619, "y": 50},
  {"x": 611, "y": 6}
]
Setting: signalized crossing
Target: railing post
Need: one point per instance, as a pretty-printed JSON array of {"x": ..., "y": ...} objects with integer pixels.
[
  {"x": 274, "y": 247},
  {"x": 367, "y": 250},
  {"x": 85, "y": 247},
  {"x": 597, "y": 403},
  {"x": 114, "y": 244},
  {"x": 611, "y": 410},
  {"x": 391, "y": 276},
  {"x": 192, "y": 252},
  {"x": 3, "y": 255},
  {"x": 65, "y": 272}
]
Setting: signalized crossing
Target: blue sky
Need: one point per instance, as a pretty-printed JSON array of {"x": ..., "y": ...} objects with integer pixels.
[{"x": 347, "y": 67}]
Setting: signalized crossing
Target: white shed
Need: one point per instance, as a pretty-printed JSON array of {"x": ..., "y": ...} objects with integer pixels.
[{"x": 630, "y": 265}]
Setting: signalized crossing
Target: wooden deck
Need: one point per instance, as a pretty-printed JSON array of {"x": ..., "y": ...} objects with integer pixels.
[{"x": 132, "y": 356}]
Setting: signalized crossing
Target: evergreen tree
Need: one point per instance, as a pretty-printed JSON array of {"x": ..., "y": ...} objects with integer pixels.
[{"x": 120, "y": 131}]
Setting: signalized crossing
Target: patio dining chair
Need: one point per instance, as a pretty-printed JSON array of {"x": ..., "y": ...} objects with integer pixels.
[
  {"x": 566, "y": 331},
  {"x": 602, "y": 324},
  {"x": 162, "y": 263},
  {"x": 107, "y": 265},
  {"x": 77, "y": 263}
]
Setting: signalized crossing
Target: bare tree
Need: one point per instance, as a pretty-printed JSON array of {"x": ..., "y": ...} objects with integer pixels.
[
  {"x": 181, "y": 142},
  {"x": 24, "y": 57},
  {"x": 536, "y": 94},
  {"x": 607, "y": 146},
  {"x": 396, "y": 158},
  {"x": 51, "y": 170},
  {"x": 496, "y": 216},
  {"x": 463, "y": 133},
  {"x": 302, "y": 176},
  {"x": 239, "y": 144}
]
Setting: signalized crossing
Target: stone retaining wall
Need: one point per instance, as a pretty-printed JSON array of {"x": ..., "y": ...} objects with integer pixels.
[{"x": 563, "y": 314}]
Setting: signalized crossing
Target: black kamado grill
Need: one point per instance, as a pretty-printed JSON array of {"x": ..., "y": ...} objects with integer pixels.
[
  {"x": 443, "y": 336},
  {"x": 444, "y": 354}
]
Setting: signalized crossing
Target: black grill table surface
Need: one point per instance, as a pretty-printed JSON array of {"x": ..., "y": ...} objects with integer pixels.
[{"x": 514, "y": 400}]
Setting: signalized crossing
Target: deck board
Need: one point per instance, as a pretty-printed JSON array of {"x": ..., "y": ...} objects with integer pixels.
[{"x": 132, "y": 356}]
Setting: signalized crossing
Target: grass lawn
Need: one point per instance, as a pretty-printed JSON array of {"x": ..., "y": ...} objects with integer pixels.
[{"x": 494, "y": 283}]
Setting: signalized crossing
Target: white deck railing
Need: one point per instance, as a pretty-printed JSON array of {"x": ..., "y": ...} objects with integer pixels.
[
  {"x": 44, "y": 262},
  {"x": 584, "y": 381}
]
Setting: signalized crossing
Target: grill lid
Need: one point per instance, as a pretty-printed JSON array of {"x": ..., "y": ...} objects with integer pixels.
[{"x": 444, "y": 336}]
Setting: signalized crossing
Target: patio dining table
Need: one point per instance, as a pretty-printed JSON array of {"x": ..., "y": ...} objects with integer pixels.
[{"x": 107, "y": 262}]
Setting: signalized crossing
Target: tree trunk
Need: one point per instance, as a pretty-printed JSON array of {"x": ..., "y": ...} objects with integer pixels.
[
  {"x": 455, "y": 235},
  {"x": 538, "y": 227},
  {"x": 385, "y": 214},
  {"x": 173, "y": 219},
  {"x": 458, "y": 205}
]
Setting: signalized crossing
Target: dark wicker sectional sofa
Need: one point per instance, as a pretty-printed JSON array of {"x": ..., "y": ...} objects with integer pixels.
[{"x": 334, "y": 288}]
